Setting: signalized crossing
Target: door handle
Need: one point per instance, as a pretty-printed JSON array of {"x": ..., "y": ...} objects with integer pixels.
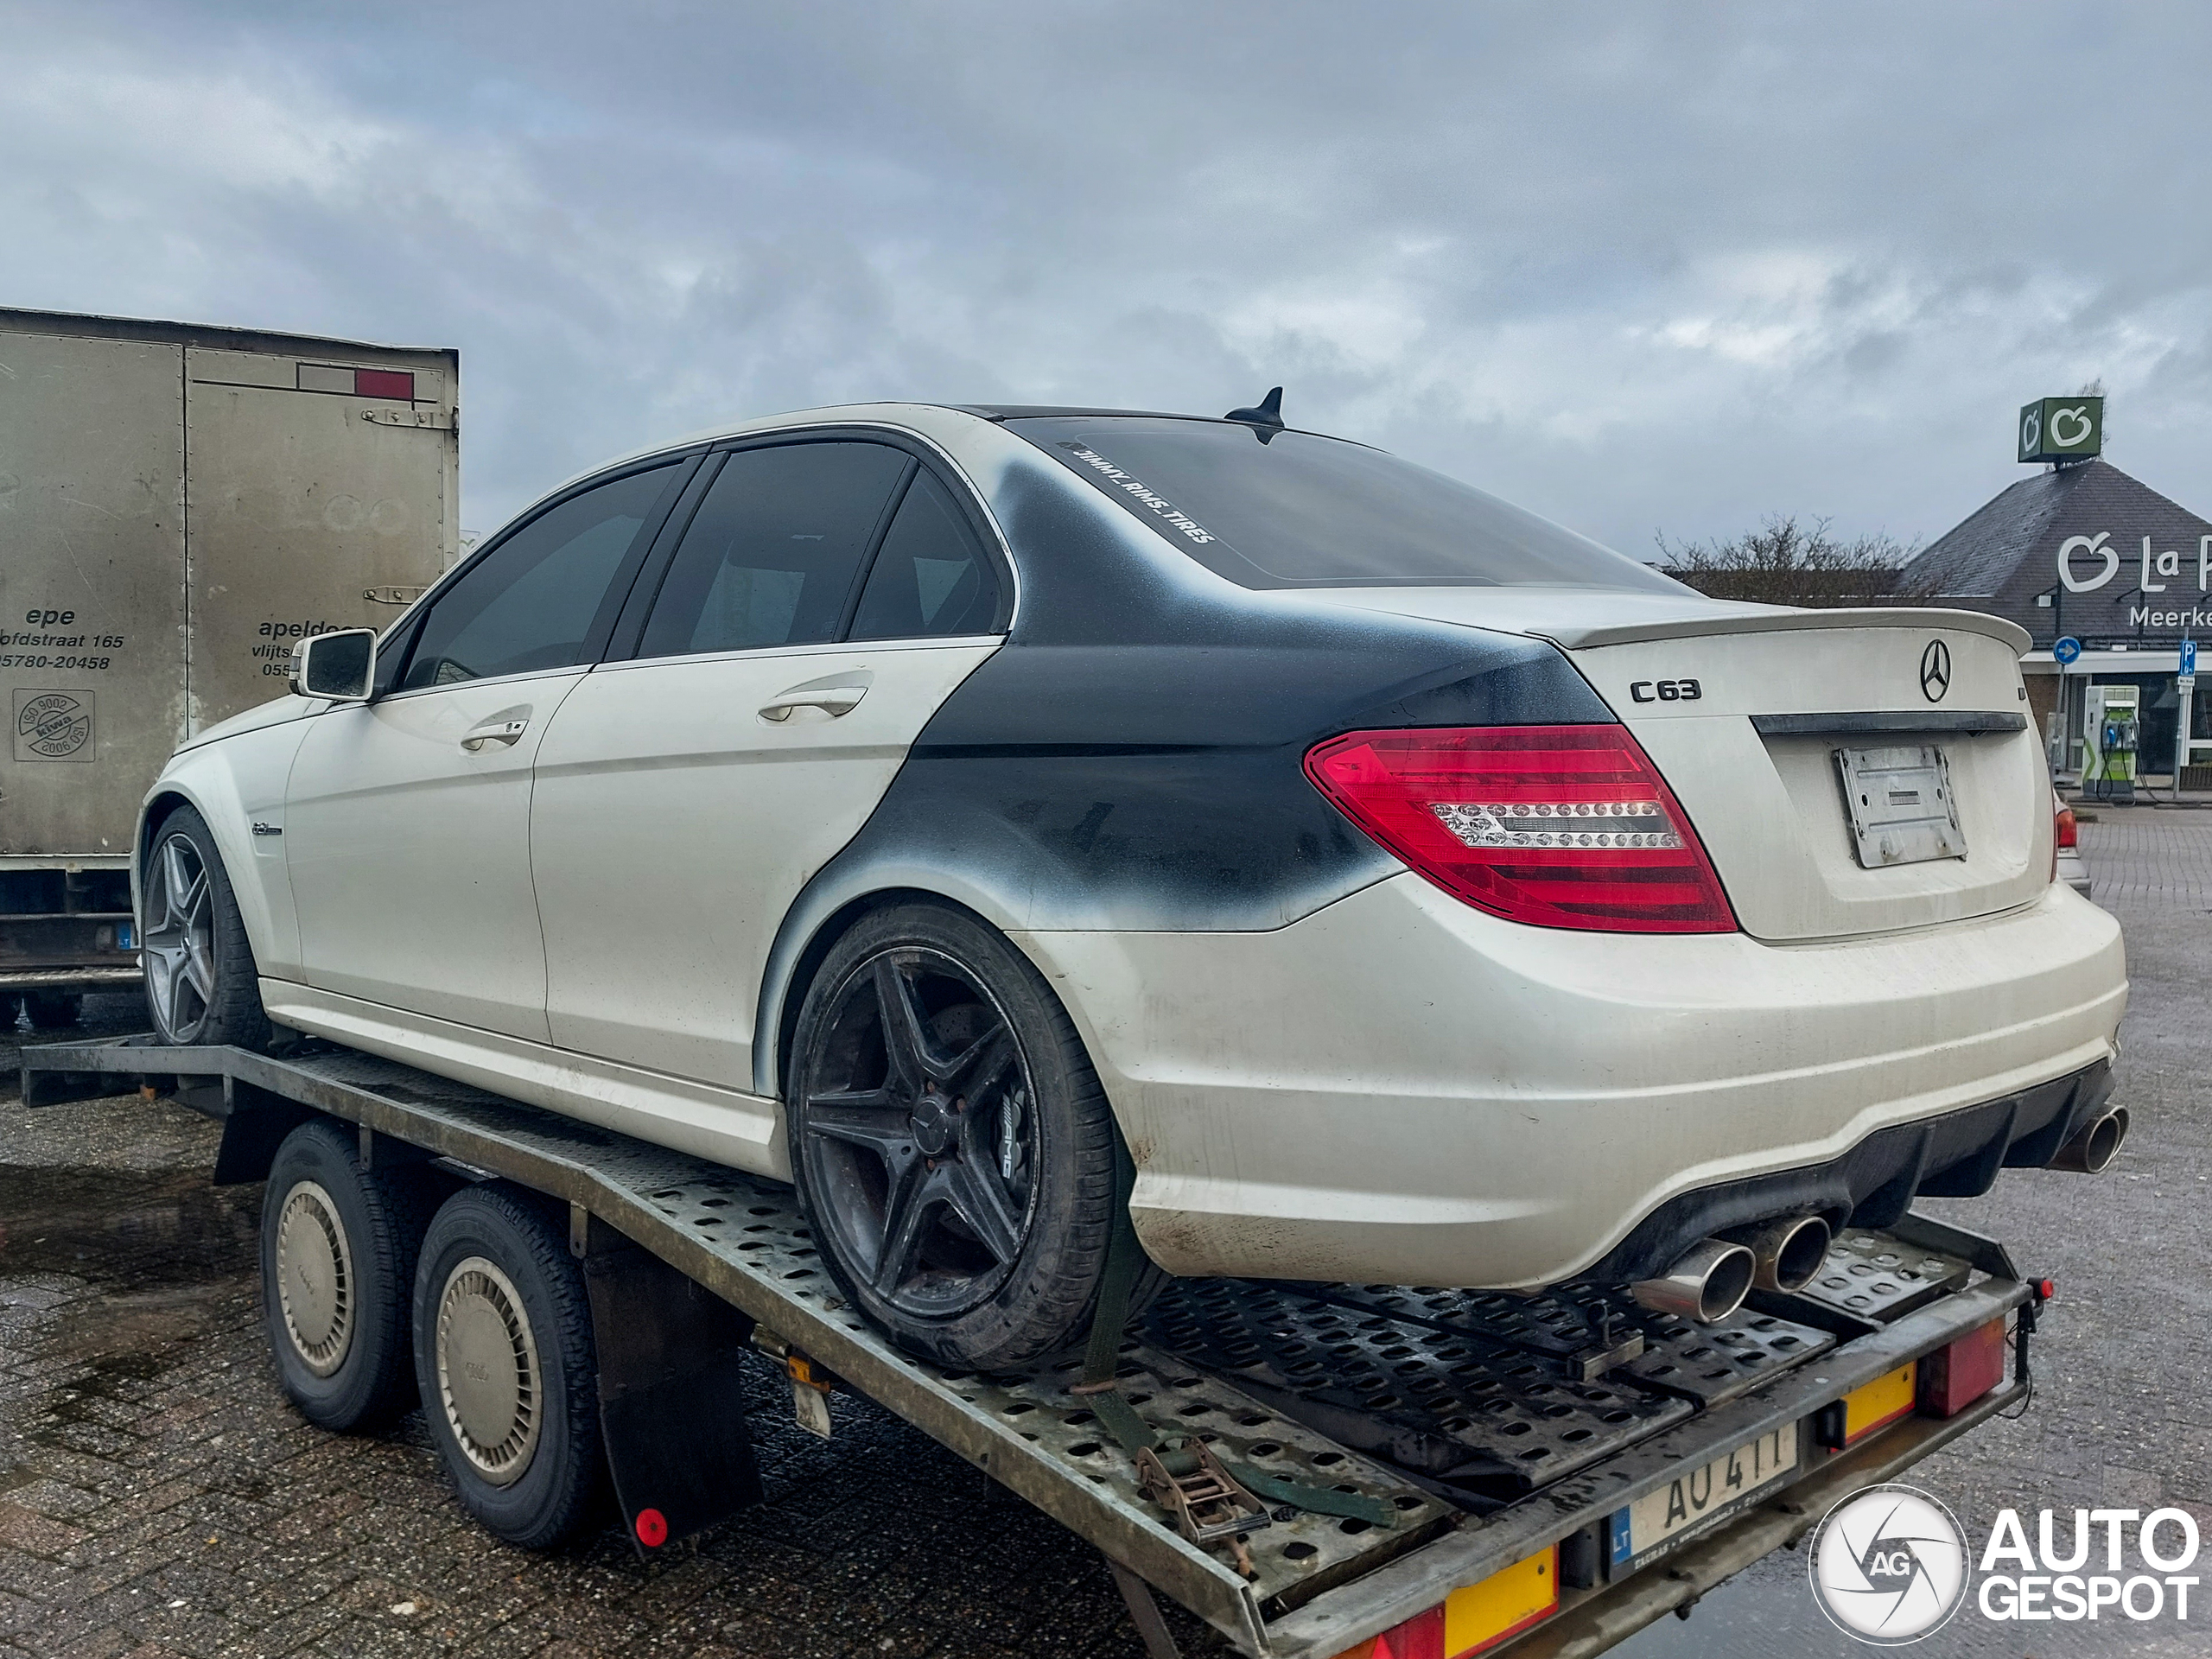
[
  {"x": 495, "y": 731},
  {"x": 833, "y": 698}
]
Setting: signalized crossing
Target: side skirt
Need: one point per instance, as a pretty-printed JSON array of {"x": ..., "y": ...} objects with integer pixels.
[{"x": 727, "y": 1126}]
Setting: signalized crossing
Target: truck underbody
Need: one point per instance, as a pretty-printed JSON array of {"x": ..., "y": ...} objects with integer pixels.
[{"x": 65, "y": 928}]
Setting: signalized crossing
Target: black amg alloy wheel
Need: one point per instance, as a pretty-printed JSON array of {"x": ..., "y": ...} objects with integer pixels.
[
  {"x": 953, "y": 1148},
  {"x": 201, "y": 983}
]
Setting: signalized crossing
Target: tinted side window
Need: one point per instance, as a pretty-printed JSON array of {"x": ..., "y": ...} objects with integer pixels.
[
  {"x": 930, "y": 577},
  {"x": 533, "y": 602},
  {"x": 772, "y": 556}
]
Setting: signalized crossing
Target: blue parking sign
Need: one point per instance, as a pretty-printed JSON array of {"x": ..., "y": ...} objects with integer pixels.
[
  {"x": 2067, "y": 649},
  {"x": 2188, "y": 656}
]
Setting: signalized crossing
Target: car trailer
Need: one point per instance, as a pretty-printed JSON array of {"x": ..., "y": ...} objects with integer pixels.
[{"x": 1314, "y": 1471}]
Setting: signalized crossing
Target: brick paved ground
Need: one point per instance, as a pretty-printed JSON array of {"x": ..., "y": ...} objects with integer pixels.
[{"x": 158, "y": 1497}]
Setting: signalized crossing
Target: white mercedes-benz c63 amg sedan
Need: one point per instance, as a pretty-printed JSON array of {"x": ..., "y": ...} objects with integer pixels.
[{"x": 974, "y": 814}]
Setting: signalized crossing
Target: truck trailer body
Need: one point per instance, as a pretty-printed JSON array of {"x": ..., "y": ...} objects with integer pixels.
[{"x": 179, "y": 505}]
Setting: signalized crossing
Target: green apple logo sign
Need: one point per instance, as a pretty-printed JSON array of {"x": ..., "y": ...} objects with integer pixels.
[
  {"x": 2061, "y": 436},
  {"x": 2095, "y": 543},
  {"x": 2031, "y": 430}
]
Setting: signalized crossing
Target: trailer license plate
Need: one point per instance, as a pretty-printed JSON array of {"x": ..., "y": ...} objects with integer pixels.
[
  {"x": 1690, "y": 1501},
  {"x": 1900, "y": 805}
]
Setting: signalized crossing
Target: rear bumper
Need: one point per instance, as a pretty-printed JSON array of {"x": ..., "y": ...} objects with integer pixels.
[{"x": 1401, "y": 1089}]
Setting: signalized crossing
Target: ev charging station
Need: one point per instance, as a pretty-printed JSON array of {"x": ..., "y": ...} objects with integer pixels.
[{"x": 2111, "y": 735}]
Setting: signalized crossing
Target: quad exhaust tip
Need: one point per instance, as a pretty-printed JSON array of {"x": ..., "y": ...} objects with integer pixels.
[
  {"x": 2096, "y": 1146},
  {"x": 1787, "y": 1253},
  {"x": 1707, "y": 1284}
]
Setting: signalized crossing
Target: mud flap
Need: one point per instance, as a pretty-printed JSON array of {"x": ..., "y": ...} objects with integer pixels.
[{"x": 672, "y": 1391}]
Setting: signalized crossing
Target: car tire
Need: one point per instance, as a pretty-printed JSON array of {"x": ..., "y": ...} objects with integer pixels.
[
  {"x": 954, "y": 1151},
  {"x": 53, "y": 1010},
  {"x": 339, "y": 1244},
  {"x": 505, "y": 1362},
  {"x": 201, "y": 982}
]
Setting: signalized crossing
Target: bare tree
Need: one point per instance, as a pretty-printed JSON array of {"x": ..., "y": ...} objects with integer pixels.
[{"x": 1785, "y": 562}]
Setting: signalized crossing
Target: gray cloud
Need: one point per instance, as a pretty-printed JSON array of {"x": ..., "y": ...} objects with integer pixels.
[{"x": 1677, "y": 265}]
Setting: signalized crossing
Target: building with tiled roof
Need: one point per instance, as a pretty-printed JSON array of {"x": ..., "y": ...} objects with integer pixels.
[{"x": 2083, "y": 552}]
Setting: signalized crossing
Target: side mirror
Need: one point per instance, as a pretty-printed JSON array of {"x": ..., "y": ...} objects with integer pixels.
[{"x": 341, "y": 665}]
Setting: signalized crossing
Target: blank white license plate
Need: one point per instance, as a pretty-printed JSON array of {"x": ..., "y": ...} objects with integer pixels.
[
  {"x": 1902, "y": 808},
  {"x": 1689, "y": 1501}
]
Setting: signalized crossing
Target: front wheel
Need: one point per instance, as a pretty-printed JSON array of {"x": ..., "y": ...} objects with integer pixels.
[
  {"x": 201, "y": 982},
  {"x": 954, "y": 1152}
]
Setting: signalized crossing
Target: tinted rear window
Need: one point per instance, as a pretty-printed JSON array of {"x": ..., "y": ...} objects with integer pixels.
[{"x": 1302, "y": 511}]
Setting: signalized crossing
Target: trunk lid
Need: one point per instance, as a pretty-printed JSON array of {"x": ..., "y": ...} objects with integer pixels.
[{"x": 1744, "y": 709}]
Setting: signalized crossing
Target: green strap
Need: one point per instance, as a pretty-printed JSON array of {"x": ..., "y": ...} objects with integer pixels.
[
  {"x": 1321, "y": 1500},
  {"x": 1123, "y": 1258},
  {"x": 1136, "y": 1435}
]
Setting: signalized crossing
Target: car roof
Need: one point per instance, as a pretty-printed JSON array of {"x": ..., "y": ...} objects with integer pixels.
[{"x": 893, "y": 414}]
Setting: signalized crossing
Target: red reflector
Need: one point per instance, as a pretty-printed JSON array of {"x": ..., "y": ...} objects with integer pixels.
[
  {"x": 1419, "y": 1637},
  {"x": 652, "y": 1528},
  {"x": 385, "y": 383},
  {"x": 1560, "y": 826},
  {"x": 1952, "y": 1378},
  {"x": 2050, "y": 1289}
]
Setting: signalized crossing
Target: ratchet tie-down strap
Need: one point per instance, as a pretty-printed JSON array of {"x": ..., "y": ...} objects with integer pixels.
[{"x": 1124, "y": 1257}]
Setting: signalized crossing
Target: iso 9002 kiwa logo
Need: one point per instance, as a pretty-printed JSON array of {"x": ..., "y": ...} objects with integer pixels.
[{"x": 1888, "y": 1565}]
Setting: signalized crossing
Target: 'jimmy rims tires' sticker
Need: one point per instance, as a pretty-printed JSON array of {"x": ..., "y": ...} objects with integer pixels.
[{"x": 53, "y": 725}]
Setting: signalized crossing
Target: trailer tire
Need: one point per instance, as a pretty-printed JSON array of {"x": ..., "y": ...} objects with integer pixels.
[
  {"x": 338, "y": 1250},
  {"x": 966, "y": 1213},
  {"x": 201, "y": 982},
  {"x": 507, "y": 1367}
]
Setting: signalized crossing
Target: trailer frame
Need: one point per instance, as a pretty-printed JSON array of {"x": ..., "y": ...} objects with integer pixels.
[{"x": 653, "y": 1227}]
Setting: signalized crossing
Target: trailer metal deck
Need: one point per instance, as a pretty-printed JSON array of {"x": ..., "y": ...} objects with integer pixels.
[{"x": 1480, "y": 1423}]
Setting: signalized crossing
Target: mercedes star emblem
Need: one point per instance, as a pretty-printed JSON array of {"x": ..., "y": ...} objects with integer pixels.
[{"x": 1935, "y": 670}]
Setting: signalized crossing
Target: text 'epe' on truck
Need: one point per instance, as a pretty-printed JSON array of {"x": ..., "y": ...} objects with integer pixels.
[{"x": 179, "y": 505}]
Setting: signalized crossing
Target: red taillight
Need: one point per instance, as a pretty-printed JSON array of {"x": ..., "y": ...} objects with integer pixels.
[
  {"x": 1560, "y": 826},
  {"x": 385, "y": 383},
  {"x": 1954, "y": 1377},
  {"x": 2070, "y": 832}
]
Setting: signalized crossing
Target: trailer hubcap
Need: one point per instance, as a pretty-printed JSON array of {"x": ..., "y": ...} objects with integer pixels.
[
  {"x": 179, "y": 947},
  {"x": 920, "y": 1134},
  {"x": 314, "y": 1278},
  {"x": 489, "y": 1380}
]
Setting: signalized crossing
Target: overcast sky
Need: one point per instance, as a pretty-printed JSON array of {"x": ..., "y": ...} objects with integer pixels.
[{"x": 1634, "y": 266}]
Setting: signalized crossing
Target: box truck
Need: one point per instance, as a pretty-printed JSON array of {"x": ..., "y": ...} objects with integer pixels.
[{"x": 179, "y": 505}]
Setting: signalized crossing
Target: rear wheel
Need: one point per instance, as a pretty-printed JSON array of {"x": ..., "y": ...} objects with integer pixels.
[
  {"x": 201, "y": 982},
  {"x": 339, "y": 1244},
  {"x": 507, "y": 1368},
  {"x": 954, "y": 1152}
]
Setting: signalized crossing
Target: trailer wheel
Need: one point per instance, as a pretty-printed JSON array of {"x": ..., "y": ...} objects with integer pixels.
[
  {"x": 201, "y": 982},
  {"x": 503, "y": 1352},
  {"x": 338, "y": 1250},
  {"x": 954, "y": 1151}
]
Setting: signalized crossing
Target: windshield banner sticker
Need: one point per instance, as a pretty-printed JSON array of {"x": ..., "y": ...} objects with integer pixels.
[{"x": 1135, "y": 491}]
